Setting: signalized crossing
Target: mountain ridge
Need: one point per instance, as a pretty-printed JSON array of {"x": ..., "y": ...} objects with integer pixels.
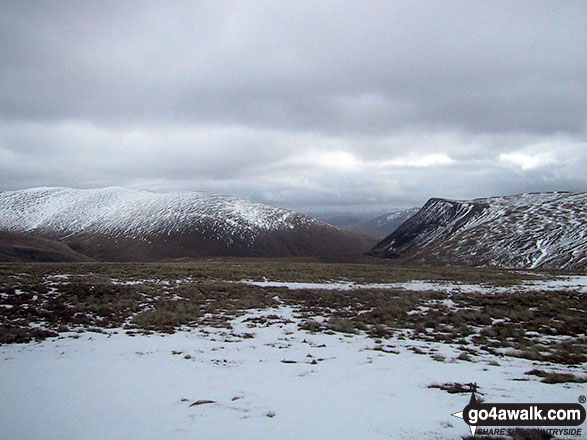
[
  {"x": 15, "y": 247},
  {"x": 125, "y": 224},
  {"x": 530, "y": 230}
]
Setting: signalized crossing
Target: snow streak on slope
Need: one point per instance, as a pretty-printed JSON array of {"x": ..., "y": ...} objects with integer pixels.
[
  {"x": 138, "y": 214},
  {"x": 546, "y": 230},
  {"x": 398, "y": 214}
]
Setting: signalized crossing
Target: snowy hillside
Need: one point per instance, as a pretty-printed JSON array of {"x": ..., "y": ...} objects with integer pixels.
[
  {"x": 197, "y": 223},
  {"x": 538, "y": 230},
  {"x": 135, "y": 213}
]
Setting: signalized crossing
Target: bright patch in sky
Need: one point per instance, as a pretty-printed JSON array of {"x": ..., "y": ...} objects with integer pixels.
[
  {"x": 527, "y": 161},
  {"x": 423, "y": 161},
  {"x": 340, "y": 160},
  {"x": 310, "y": 103}
]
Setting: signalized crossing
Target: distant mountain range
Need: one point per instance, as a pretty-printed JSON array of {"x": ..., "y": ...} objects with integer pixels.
[
  {"x": 537, "y": 230},
  {"x": 120, "y": 224},
  {"x": 384, "y": 224},
  {"x": 378, "y": 226}
]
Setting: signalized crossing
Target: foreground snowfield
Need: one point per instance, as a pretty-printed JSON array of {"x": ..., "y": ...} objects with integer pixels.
[{"x": 117, "y": 386}]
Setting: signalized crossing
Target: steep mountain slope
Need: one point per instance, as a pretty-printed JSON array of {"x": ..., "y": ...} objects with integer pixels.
[
  {"x": 21, "y": 247},
  {"x": 120, "y": 224},
  {"x": 539, "y": 230},
  {"x": 382, "y": 225}
]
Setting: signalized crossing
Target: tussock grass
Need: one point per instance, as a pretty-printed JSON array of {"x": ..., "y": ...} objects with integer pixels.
[
  {"x": 554, "y": 377},
  {"x": 455, "y": 387},
  {"x": 40, "y": 300}
]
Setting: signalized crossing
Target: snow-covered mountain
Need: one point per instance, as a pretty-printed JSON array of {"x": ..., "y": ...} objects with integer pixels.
[
  {"x": 537, "y": 230},
  {"x": 128, "y": 224}
]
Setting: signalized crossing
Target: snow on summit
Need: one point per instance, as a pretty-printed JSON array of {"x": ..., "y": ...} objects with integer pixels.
[
  {"x": 133, "y": 212},
  {"x": 534, "y": 230},
  {"x": 121, "y": 224}
]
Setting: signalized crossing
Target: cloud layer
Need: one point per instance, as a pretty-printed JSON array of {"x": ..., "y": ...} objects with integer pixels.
[{"x": 307, "y": 105}]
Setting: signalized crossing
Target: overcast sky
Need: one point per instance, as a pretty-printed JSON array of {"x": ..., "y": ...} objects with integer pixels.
[{"x": 309, "y": 105}]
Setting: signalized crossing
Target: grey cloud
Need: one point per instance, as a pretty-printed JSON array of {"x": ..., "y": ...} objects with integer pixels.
[
  {"x": 299, "y": 104},
  {"x": 499, "y": 66},
  {"x": 288, "y": 169}
]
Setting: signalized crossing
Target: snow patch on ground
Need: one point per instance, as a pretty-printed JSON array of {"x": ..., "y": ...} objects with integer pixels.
[
  {"x": 577, "y": 282},
  {"x": 279, "y": 383}
]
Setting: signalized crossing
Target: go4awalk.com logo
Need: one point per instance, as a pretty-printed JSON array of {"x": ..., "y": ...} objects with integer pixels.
[{"x": 495, "y": 417}]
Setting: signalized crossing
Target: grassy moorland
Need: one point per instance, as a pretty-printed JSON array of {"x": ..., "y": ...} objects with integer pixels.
[
  {"x": 282, "y": 346},
  {"x": 500, "y": 312}
]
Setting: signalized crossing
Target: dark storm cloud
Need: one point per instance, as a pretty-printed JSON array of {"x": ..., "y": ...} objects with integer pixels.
[{"x": 295, "y": 103}]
